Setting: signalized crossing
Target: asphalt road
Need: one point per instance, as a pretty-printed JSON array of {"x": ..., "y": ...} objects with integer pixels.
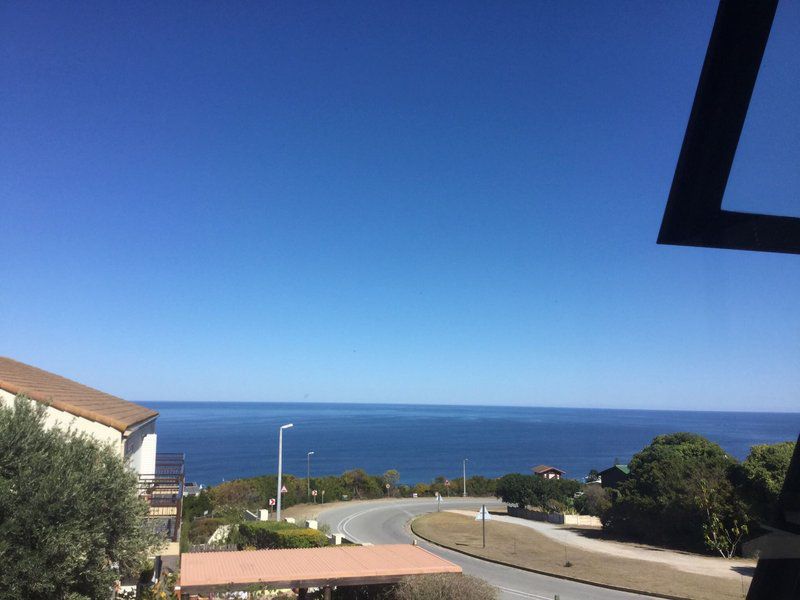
[{"x": 386, "y": 522}]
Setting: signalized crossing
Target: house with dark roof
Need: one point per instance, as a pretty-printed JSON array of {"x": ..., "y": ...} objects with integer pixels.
[
  {"x": 548, "y": 472},
  {"x": 613, "y": 476},
  {"x": 127, "y": 427}
]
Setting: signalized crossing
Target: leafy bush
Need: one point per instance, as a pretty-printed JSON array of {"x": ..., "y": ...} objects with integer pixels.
[
  {"x": 271, "y": 535},
  {"x": 444, "y": 586},
  {"x": 595, "y": 500},
  {"x": 554, "y": 495},
  {"x": 200, "y": 530},
  {"x": 759, "y": 479}
]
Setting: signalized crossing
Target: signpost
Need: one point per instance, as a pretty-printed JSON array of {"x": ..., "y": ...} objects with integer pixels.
[
  {"x": 272, "y": 503},
  {"x": 483, "y": 515},
  {"x": 323, "y": 496},
  {"x": 438, "y": 502},
  {"x": 314, "y": 495}
]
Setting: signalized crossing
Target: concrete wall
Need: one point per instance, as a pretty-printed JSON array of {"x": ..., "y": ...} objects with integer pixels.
[
  {"x": 557, "y": 518},
  {"x": 65, "y": 420}
]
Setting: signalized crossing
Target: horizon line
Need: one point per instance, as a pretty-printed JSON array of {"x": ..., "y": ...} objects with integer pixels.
[{"x": 448, "y": 404}]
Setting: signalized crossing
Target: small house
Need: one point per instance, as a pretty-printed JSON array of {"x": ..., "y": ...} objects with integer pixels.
[
  {"x": 615, "y": 475},
  {"x": 548, "y": 472}
]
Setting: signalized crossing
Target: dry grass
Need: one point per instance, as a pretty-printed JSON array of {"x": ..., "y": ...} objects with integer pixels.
[{"x": 527, "y": 548}]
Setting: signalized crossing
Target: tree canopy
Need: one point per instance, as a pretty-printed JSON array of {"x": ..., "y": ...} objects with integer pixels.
[
  {"x": 70, "y": 517},
  {"x": 760, "y": 476},
  {"x": 659, "y": 504}
]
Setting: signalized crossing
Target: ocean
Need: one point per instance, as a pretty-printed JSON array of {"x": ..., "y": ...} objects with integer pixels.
[{"x": 224, "y": 441}]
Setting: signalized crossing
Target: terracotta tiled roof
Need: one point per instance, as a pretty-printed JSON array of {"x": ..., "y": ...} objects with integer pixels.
[
  {"x": 545, "y": 468},
  {"x": 308, "y": 567},
  {"x": 70, "y": 396}
]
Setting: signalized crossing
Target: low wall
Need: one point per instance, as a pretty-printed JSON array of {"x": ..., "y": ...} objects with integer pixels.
[{"x": 557, "y": 518}]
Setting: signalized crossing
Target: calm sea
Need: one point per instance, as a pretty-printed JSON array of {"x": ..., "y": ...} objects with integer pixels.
[{"x": 224, "y": 441}]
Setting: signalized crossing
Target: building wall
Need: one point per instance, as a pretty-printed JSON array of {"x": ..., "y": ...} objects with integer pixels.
[
  {"x": 140, "y": 449},
  {"x": 65, "y": 420}
]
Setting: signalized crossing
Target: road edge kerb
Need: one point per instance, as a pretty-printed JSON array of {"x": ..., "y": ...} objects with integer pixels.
[{"x": 609, "y": 586}]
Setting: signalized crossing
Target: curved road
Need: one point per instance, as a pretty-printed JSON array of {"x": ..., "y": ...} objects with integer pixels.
[{"x": 386, "y": 522}]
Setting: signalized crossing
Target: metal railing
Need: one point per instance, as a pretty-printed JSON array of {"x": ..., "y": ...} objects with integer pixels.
[{"x": 163, "y": 491}]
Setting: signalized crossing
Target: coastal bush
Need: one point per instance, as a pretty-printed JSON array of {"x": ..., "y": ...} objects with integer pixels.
[
  {"x": 200, "y": 530},
  {"x": 659, "y": 504},
  {"x": 444, "y": 586},
  {"x": 271, "y": 535},
  {"x": 196, "y": 506},
  {"x": 555, "y": 495},
  {"x": 69, "y": 508},
  {"x": 595, "y": 500},
  {"x": 759, "y": 478}
]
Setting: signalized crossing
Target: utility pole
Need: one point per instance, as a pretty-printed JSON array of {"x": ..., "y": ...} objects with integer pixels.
[
  {"x": 308, "y": 476},
  {"x": 465, "y": 478},
  {"x": 280, "y": 469},
  {"x": 483, "y": 519}
]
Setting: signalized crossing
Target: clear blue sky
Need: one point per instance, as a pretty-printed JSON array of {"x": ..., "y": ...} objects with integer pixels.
[{"x": 385, "y": 202}]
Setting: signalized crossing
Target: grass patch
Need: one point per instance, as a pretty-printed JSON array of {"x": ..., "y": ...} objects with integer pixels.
[{"x": 527, "y": 548}]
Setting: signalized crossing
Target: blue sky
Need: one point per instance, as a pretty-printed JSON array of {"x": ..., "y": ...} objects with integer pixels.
[{"x": 371, "y": 202}]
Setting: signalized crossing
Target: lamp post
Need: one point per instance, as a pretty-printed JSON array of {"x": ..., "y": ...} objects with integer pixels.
[
  {"x": 465, "y": 478},
  {"x": 308, "y": 475},
  {"x": 280, "y": 469}
]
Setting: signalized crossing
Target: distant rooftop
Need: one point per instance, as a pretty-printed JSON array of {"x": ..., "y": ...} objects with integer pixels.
[
  {"x": 545, "y": 468},
  {"x": 70, "y": 396},
  {"x": 623, "y": 468}
]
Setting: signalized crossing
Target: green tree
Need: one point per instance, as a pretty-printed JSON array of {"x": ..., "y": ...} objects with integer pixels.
[
  {"x": 71, "y": 520},
  {"x": 391, "y": 478},
  {"x": 658, "y": 502},
  {"x": 759, "y": 478},
  {"x": 515, "y": 488},
  {"x": 593, "y": 476}
]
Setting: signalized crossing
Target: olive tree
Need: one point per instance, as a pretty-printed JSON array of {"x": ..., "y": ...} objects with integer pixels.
[{"x": 71, "y": 521}]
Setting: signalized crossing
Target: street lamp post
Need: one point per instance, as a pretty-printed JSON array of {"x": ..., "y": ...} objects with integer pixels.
[
  {"x": 280, "y": 469},
  {"x": 465, "y": 478},
  {"x": 308, "y": 475}
]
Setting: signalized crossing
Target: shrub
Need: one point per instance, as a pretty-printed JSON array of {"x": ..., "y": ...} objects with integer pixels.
[
  {"x": 271, "y": 535},
  {"x": 444, "y": 586},
  {"x": 200, "y": 530}
]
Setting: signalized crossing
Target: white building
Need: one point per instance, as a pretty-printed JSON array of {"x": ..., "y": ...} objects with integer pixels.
[{"x": 127, "y": 427}]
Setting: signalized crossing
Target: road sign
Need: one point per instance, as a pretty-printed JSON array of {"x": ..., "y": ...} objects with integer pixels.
[
  {"x": 313, "y": 492},
  {"x": 483, "y": 515},
  {"x": 272, "y": 501},
  {"x": 447, "y": 482},
  {"x": 388, "y": 486},
  {"x": 283, "y": 490}
]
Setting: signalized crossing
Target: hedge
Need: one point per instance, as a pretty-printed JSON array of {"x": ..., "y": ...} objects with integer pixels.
[{"x": 266, "y": 534}]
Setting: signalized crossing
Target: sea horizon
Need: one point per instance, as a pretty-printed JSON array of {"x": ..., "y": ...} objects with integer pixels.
[
  {"x": 231, "y": 440},
  {"x": 471, "y": 405}
]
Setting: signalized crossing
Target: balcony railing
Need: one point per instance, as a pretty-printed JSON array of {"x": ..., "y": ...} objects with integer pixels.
[{"x": 163, "y": 491}]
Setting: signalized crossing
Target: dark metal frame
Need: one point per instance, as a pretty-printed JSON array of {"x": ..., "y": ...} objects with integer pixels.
[{"x": 694, "y": 215}]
